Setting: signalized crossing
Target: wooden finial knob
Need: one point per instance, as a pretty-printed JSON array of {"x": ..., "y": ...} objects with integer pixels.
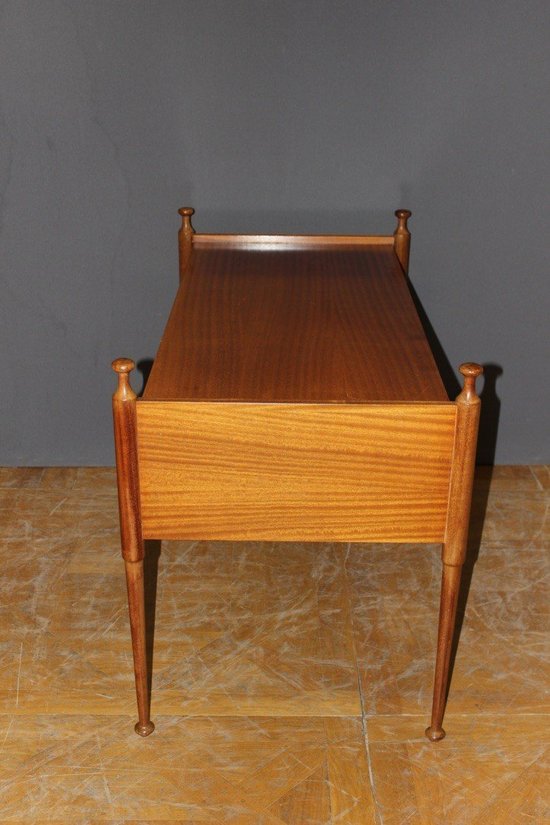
[
  {"x": 402, "y": 238},
  {"x": 185, "y": 238},
  {"x": 123, "y": 365},
  {"x": 470, "y": 372},
  {"x": 186, "y": 212},
  {"x": 402, "y": 216}
]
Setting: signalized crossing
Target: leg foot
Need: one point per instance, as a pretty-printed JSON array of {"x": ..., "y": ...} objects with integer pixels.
[
  {"x": 435, "y": 734},
  {"x": 136, "y": 603},
  {"x": 447, "y": 613},
  {"x": 144, "y": 730}
]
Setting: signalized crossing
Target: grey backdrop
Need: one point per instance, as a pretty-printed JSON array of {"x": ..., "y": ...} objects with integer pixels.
[{"x": 265, "y": 116}]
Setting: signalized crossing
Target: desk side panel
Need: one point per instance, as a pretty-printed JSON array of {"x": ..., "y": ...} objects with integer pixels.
[{"x": 295, "y": 472}]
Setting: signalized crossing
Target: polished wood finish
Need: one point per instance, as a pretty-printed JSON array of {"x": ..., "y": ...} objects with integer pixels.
[
  {"x": 294, "y": 397},
  {"x": 124, "y": 422},
  {"x": 265, "y": 242},
  {"x": 124, "y": 419},
  {"x": 322, "y": 325},
  {"x": 290, "y": 472},
  {"x": 456, "y": 536},
  {"x": 136, "y": 605},
  {"x": 185, "y": 238},
  {"x": 468, "y": 407},
  {"x": 450, "y": 586},
  {"x": 402, "y": 238}
]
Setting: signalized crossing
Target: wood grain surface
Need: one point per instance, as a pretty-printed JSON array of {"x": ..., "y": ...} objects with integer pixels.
[
  {"x": 468, "y": 410},
  {"x": 334, "y": 324},
  {"x": 456, "y": 536},
  {"x": 295, "y": 472},
  {"x": 402, "y": 238},
  {"x": 290, "y": 241},
  {"x": 124, "y": 420}
]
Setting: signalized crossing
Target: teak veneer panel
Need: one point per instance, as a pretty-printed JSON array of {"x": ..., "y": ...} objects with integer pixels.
[
  {"x": 291, "y": 472},
  {"x": 269, "y": 322}
]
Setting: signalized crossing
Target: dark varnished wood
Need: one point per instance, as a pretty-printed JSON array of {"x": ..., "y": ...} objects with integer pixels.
[
  {"x": 124, "y": 419},
  {"x": 136, "y": 607},
  {"x": 456, "y": 536},
  {"x": 450, "y": 586},
  {"x": 402, "y": 238},
  {"x": 185, "y": 238},
  {"x": 124, "y": 422},
  {"x": 328, "y": 324},
  {"x": 468, "y": 405}
]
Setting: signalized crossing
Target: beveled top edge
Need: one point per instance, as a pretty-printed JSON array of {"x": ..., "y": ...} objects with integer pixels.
[
  {"x": 244, "y": 402},
  {"x": 290, "y": 241}
]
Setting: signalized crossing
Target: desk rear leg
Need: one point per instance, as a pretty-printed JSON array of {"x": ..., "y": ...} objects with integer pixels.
[
  {"x": 456, "y": 538},
  {"x": 124, "y": 419}
]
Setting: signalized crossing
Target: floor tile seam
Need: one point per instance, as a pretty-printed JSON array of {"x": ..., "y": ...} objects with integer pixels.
[
  {"x": 186, "y": 717},
  {"x": 372, "y": 784},
  {"x": 458, "y": 714},
  {"x": 484, "y": 717},
  {"x": 23, "y": 712}
]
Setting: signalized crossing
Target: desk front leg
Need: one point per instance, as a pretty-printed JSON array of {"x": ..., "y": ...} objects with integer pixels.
[
  {"x": 124, "y": 419},
  {"x": 456, "y": 538},
  {"x": 450, "y": 587}
]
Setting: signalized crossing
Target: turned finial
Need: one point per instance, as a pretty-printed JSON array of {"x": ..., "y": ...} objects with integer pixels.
[
  {"x": 402, "y": 238},
  {"x": 186, "y": 212},
  {"x": 402, "y": 216},
  {"x": 471, "y": 372},
  {"x": 185, "y": 236},
  {"x": 123, "y": 367}
]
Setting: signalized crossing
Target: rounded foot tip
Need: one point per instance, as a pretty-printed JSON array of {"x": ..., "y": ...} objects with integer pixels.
[
  {"x": 435, "y": 734},
  {"x": 144, "y": 730}
]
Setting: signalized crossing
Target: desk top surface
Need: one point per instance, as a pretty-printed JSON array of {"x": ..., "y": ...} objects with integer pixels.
[{"x": 279, "y": 324}]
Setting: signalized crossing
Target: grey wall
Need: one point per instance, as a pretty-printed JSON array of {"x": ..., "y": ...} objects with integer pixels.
[{"x": 266, "y": 115}]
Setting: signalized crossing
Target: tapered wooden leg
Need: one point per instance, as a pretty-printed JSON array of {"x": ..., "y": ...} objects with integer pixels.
[
  {"x": 456, "y": 536},
  {"x": 450, "y": 586},
  {"x": 124, "y": 418},
  {"x": 136, "y": 605}
]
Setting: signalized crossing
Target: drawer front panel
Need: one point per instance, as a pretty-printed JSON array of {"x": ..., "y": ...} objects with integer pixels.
[{"x": 295, "y": 472}]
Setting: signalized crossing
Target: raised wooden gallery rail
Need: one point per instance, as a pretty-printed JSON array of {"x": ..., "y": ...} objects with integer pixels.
[{"x": 294, "y": 397}]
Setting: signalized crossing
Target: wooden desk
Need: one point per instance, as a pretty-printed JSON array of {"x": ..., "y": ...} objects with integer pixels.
[{"x": 295, "y": 397}]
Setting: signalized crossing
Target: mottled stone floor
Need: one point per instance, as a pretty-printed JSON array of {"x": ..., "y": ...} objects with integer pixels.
[{"x": 292, "y": 682}]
